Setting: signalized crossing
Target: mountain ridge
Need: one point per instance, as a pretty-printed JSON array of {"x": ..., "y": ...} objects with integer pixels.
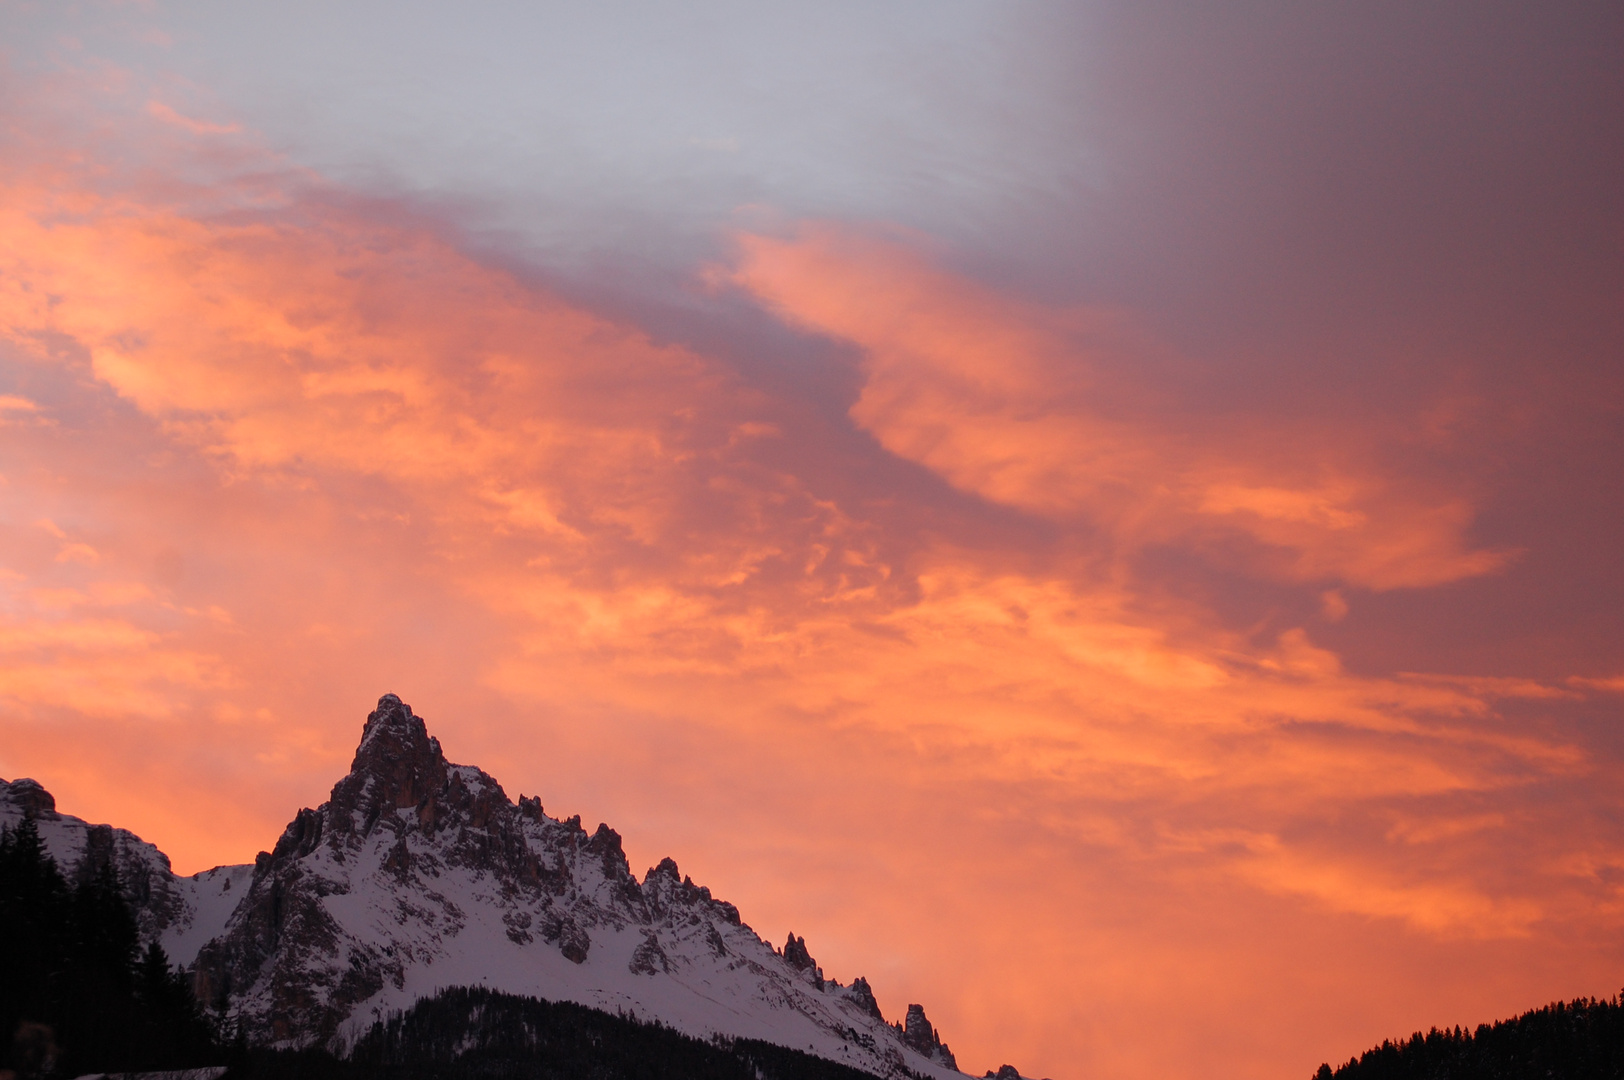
[{"x": 418, "y": 874}]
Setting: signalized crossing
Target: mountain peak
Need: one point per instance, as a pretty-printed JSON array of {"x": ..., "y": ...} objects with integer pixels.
[
  {"x": 30, "y": 797},
  {"x": 392, "y": 728},
  {"x": 397, "y": 764},
  {"x": 420, "y": 874}
]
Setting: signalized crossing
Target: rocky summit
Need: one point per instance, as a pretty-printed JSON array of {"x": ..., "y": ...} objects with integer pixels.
[{"x": 417, "y": 875}]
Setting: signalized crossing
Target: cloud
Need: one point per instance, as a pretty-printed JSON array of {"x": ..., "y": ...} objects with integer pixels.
[
  {"x": 60, "y": 649},
  {"x": 1616, "y": 683},
  {"x": 1014, "y": 402},
  {"x": 168, "y": 115}
]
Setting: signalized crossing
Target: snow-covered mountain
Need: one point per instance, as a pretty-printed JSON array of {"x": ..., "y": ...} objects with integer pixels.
[
  {"x": 181, "y": 913},
  {"x": 418, "y": 874}
]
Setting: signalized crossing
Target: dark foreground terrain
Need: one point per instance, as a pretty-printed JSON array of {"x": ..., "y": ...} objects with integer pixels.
[
  {"x": 1577, "y": 1040},
  {"x": 77, "y": 994},
  {"x": 477, "y": 1034}
]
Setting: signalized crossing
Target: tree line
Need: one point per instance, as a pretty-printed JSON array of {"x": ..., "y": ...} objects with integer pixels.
[
  {"x": 1577, "y": 1040},
  {"x": 77, "y": 992},
  {"x": 474, "y": 1033}
]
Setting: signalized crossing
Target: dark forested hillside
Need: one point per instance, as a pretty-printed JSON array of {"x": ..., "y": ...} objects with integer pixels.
[
  {"x": 76, "y": 992},
  {"x": 478, "y": 1034},
  {"x": 1578, "y": 1040}
]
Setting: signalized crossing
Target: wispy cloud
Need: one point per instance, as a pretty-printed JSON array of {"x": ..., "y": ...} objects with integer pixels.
[
  {"x": 1011, "y": 401},
  {"x": 168, "y": 115}
]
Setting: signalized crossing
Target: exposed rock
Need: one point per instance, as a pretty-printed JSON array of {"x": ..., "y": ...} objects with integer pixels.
[
  {"x": 649, "y": 957},
  {"x": 574, "y": 942},
  {"x": 605, "y": 844},
  {"x": 918, "y": 1033},
  {"x": 31, "y": 798},
  {"x": 518, "y": 924},
  {"x": 397, "y": 766},
  {"x": 860, "y": 993},
  {"x": 795, "y": 954}
]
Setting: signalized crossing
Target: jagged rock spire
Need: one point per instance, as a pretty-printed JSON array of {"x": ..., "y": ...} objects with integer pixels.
[
  {"x": 397, "y": 765},
  {"x": 397, "y": 750},
  {"x": 795, "y": 953},
  {"x": 863, "y": 995},
  {"x": 918, "y": 1033}
]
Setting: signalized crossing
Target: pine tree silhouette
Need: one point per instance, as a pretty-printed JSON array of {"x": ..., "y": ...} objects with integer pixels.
[
  {"x": 77, "y": 996},
  {"x": 1578, "y": 1040}
]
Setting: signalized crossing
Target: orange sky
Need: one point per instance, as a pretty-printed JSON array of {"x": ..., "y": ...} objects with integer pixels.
[{"x": 950, "y": 677}]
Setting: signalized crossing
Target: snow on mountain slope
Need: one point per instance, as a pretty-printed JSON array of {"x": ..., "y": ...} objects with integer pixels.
[
  {"x": 418, "y": 874},
  {"x": 180, "y": 913},
  {"x": 211, "y": 897}
]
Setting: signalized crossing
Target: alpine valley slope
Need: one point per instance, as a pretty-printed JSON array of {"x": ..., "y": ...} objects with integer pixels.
[{"x": 417, "y": 875}]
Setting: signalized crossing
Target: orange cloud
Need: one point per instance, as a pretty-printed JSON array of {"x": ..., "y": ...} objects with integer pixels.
[{"x": 1008, "y": 400}]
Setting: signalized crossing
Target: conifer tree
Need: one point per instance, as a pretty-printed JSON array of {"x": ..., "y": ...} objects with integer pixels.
[{"x": 74, "y": 980}]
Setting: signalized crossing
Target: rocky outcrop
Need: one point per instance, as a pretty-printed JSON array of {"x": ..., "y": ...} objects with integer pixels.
[
  {"x": 918, "y": 1033},
  {"x": 795, "y": 954},
  {"x": 649, "y": 957},
  {"x": 860, "y": 993},
  {"x": 30, "y": 798}
]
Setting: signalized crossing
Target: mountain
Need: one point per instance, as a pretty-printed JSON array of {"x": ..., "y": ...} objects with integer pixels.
[
  {"x": 180, "y": 913},
  {"x": 418, "y": 875}
]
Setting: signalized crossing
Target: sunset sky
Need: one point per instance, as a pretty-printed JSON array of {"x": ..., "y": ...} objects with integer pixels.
[{"x": 1105, "y": 517}]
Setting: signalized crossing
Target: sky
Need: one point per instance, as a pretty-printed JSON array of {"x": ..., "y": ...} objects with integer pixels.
[{"x": 1103, "y": 517}]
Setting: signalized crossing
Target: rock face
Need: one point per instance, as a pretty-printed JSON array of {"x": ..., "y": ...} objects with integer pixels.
[
  {"x": 860, "y": 993},
  {"x": 918, "y": 1034},
  {"x": 418, "y": 874},
  {"x": 796, "y": 954},
  {"x": 30, "y": 799}
]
